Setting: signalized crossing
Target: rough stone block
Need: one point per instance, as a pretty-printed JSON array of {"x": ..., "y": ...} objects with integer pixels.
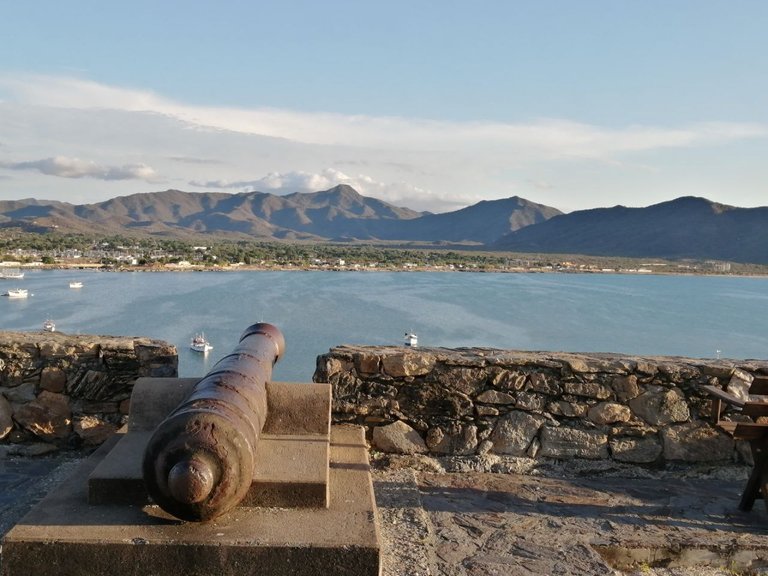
[
  {"x": 660, "y": 406},
  {"x": 609, "y": 413},
  {"x": 636, "y": 450},
  {"x": 564, "y": 443},
  {"x": 696, "y": 442},
  {"x": 399, "y": 438},
  {"x": 514, "y": 432}
]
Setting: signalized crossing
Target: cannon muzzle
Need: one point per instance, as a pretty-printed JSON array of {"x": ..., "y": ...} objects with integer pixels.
[{"x": 199, "y": 462}]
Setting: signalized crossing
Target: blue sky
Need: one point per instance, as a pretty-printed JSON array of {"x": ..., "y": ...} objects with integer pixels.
[{"x": 433, "y": 105}]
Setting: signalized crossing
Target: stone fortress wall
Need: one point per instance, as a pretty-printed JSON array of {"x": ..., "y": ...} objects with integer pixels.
[
  {"x": 472, "y": 402},
  {"x": 70, "y": 391}
]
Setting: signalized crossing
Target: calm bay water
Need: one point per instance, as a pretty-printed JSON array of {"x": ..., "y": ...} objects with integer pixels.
[{"x": 649, "y": 315}]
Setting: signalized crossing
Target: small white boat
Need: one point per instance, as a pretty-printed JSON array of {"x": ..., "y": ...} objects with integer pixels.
[
  {"x": 11, "y": 275},
  {"x": 200, "y": 344},
  {"x": 411, "y": 340},
  {"x": 49, "y": 326},
  {"x": 75, "y": 284},
  {"x": 17, "y": 293}
]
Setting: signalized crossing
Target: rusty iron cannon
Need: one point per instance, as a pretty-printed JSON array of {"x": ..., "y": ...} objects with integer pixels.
[{"x": 199, "y": 462}]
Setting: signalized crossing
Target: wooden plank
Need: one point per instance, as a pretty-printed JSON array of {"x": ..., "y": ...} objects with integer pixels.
[
  {"x": 759, "y": 386},
  {"x": 744, "y": 430},
  {"x": 755, "y": 409},
  {"x": 722, "y": 395},
  {"x": 748, "y": 430}
]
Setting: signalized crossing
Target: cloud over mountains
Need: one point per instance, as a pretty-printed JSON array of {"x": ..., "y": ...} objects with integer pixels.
[
  {"x": 80, "y": 130},
  {"x": 65, "y": 167}
]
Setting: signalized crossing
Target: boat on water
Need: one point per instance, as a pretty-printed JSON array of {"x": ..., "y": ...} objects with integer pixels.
[
  {"x": 49, "y": 325},
  {"x": 17, "y": 293},
  {"x": 11, "y": 275},
  {"x": 411, "y": 340},
  {"x": 76, "y": 284},
  {"x": 200, "y": 344}
]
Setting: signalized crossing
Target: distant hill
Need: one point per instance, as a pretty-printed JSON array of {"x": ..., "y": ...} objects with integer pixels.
[
  {"x": 340, "y": 212},
  {"x": 687, "y": 227},
  {"x": 483, "y": 223}
]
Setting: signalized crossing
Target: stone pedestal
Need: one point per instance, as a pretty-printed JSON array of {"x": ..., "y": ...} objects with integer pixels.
[{"x": 310, "y": 509}]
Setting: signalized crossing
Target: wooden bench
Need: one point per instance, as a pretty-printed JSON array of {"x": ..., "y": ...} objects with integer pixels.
[{"x": 756, "y": 433}]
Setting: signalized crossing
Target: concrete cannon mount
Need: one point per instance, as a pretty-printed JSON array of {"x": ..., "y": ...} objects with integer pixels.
[{"x": 310, "y": 510}]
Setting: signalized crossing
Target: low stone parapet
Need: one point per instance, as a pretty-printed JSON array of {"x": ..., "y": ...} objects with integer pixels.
[
  {"x": 465, "y": 402},
  {"x": 61, "y": 390}
]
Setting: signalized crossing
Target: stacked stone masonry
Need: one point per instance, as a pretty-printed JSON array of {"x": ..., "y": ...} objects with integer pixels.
[
  {"x": 59, "y": 390},
  {"x": 464, "y": 402}
]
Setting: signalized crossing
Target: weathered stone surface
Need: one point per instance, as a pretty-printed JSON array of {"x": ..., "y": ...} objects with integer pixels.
[
  {"x": 508, "y": 380},
  {"x": 455, "y": 439},
  {"x": 531, "y": 401},
  {"x": 608, "y": 413},
  {"x": 539, "y": 382},
  {"x": 408, "y": 364},
  {"x": 53, "y": 379},
  {"x": 366, "y": 363},
  {"x": 92, "y": 430},
  {"x": 48, "y": 417},
  {"x": 398, "y": 438},
  {"x": 587, "y": 389},
  {"x": 569, "y": 409},
  {"x": 678, "y": 372},
  {"x": 739, "y": 384},
  {"x": 20, "y": 394},
  {"x": 696, "y": 442},
  {"x": 660, "y": 406},
  {"x": 327, "y": 369},
  {"x": 564, "y": 443},
  {"x": 29, "y": 450},
  {"x": 647, "y": 368},
  {"x": 514, "y": 432},
  {"x": 468, "y": 381},
  {"x": 636, "y": 450},
  {"x": 625, "y": 387},
  {"x": 495, "y": 397},
  {"x": 6, "y": 417},
  {"x": 486, "y": 411}
]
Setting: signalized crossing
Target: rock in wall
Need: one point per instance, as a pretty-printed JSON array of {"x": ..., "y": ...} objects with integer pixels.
[
  {"x": 59, "y": 390},
  {"x": 639, "y": 410}
]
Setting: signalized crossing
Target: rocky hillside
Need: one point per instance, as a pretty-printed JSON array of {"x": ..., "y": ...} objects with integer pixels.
[
  {"x": 687, "y": 227},
  {"x": 327, "y": 215}
]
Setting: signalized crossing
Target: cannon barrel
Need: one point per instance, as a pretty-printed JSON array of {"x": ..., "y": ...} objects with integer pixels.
[{"x": 199, "y": 462}]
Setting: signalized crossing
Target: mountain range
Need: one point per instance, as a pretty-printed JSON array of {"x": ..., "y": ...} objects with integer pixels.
[{"x": 687, "y": 227}]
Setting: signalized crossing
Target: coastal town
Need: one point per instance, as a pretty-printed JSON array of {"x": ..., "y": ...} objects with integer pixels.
[{"x": 157, "y": 255}]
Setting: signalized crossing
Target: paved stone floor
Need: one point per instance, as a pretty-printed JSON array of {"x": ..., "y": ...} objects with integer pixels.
[
  {"x": 482, "y": 524},
  {"x": 24, "y": 481}
]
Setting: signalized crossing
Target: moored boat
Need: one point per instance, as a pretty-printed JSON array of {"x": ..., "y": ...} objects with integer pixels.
[
  {"x": 411, "y": 340},
  {"x": 11, "y": 275},
  {"x": 17, "y": 293},
  {"x": 200, "y": 344},
  {"x": 49, "y": 325}
]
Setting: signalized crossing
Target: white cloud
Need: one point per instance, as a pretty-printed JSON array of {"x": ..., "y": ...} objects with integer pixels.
[
  {"x": 542, "y": 139},
  {"x": 65, "y": 167},
  {"x": 127, "y": 136},
  {"x": 398, "y": 193}
]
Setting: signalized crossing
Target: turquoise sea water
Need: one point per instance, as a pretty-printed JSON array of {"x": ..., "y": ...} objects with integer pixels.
[{"x": 667, "y": 315}]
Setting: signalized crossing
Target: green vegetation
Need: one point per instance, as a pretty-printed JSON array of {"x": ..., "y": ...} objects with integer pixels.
[{"x": 153, "y": 252}]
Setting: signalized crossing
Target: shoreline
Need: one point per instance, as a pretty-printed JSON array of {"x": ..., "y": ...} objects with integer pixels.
[{"x": 363, "y": 269}]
